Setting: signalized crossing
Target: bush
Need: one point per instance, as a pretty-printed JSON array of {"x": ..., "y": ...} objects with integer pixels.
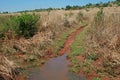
[
  {"x": 99, "y": 15},
  {"x": 99, "y": 18},
  {"x": 7, "y": 24},
  {"x": 26, "y": 25},
  {"x": 92, "y": 56},
  {"x": 118, "y": 0},
  {"x": 80, "y": 17},
  {"x": 118, "y": 3},
  {"x": 96, "y": 79}
]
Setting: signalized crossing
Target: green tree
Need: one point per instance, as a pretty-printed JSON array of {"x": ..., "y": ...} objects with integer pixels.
[
  {"x": 118, "y": 0},
  {"x": 89, "y": 5},
  {"x": 5, "y": 12},
  {"x": 68, "y": 7}
]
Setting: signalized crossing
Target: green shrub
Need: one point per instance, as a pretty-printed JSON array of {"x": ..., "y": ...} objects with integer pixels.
[
  {"x": 26, "y": 24},
  {"x": 99, "y": 16},
  {"x": 71, "y": 14},
  {"x": 7, "y": 23},
  {"x": 118, "y": 3},
  {"x": 65, "y": 21},
  {"x": 1, "y": 35},
  {"x": 92, "y": 56},
  {"x": 96, "y": 79},
  {"x": 80, "y": 17}
]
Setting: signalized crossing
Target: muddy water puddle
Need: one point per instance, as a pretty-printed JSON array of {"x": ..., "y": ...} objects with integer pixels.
[{"x": 54, "y": 69}]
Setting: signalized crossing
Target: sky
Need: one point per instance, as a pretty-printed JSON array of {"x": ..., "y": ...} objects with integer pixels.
[{"x": 20, "y": 5}]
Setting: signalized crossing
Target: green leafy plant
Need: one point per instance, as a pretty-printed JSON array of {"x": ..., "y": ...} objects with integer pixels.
[
  {"x": 65, "y": 21},
  {"x": 96, "y": 79},
  {"x": 27, "y": 24},
  {"x": 99, "y": 16},
  {"x": 87, "y": 71},
  {"x": 7, "y": 51},
  {"x": 75, "y": 65},
  {"x": 92, "y": 56},
  {"x": 71, "y": 14},
  {"x": 80, "y": 17},
  {"x": 7, "y": 24}
]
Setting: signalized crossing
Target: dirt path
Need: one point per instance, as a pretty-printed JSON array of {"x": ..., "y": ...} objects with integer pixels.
[{"x": 69, "y": 41}]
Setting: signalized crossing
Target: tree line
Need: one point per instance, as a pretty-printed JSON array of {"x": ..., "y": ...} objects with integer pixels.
[{"x": 76, "y": 7}]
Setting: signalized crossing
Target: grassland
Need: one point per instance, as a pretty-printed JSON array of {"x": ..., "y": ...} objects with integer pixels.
[
  {"x": 91, "y": 50},
  {"x": 99, "y": 41}
]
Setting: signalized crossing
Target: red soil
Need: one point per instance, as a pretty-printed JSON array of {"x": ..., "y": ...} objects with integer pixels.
[
  {"x": 80, "y": 58},
  {"x": 19, "y": 78},
  {"x": 69, "y": 41}
]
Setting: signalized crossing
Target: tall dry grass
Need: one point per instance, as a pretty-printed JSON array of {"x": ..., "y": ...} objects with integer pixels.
[
  {"x": 8, "y": 70},
  {"x": 104, "y": 39}
]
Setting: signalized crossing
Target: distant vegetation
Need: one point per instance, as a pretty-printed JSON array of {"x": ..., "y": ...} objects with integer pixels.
[
  {"x": 117, "y": 2},
  {"x": 75, "y": 7},
  {"x": 89, "y": 5}
]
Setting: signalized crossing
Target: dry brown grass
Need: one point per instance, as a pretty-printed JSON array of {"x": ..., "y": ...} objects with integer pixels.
[
  {"x": 50, "y": 24},
  {"x": 104, "y": 39},
  {"x": 8, "y": 70}
]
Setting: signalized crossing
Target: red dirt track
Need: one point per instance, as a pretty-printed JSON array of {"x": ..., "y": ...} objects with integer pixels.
[{"x": 69, "y": 41}]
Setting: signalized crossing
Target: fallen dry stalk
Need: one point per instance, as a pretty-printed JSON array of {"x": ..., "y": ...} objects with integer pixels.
[{"x": 8, "y": 70}]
